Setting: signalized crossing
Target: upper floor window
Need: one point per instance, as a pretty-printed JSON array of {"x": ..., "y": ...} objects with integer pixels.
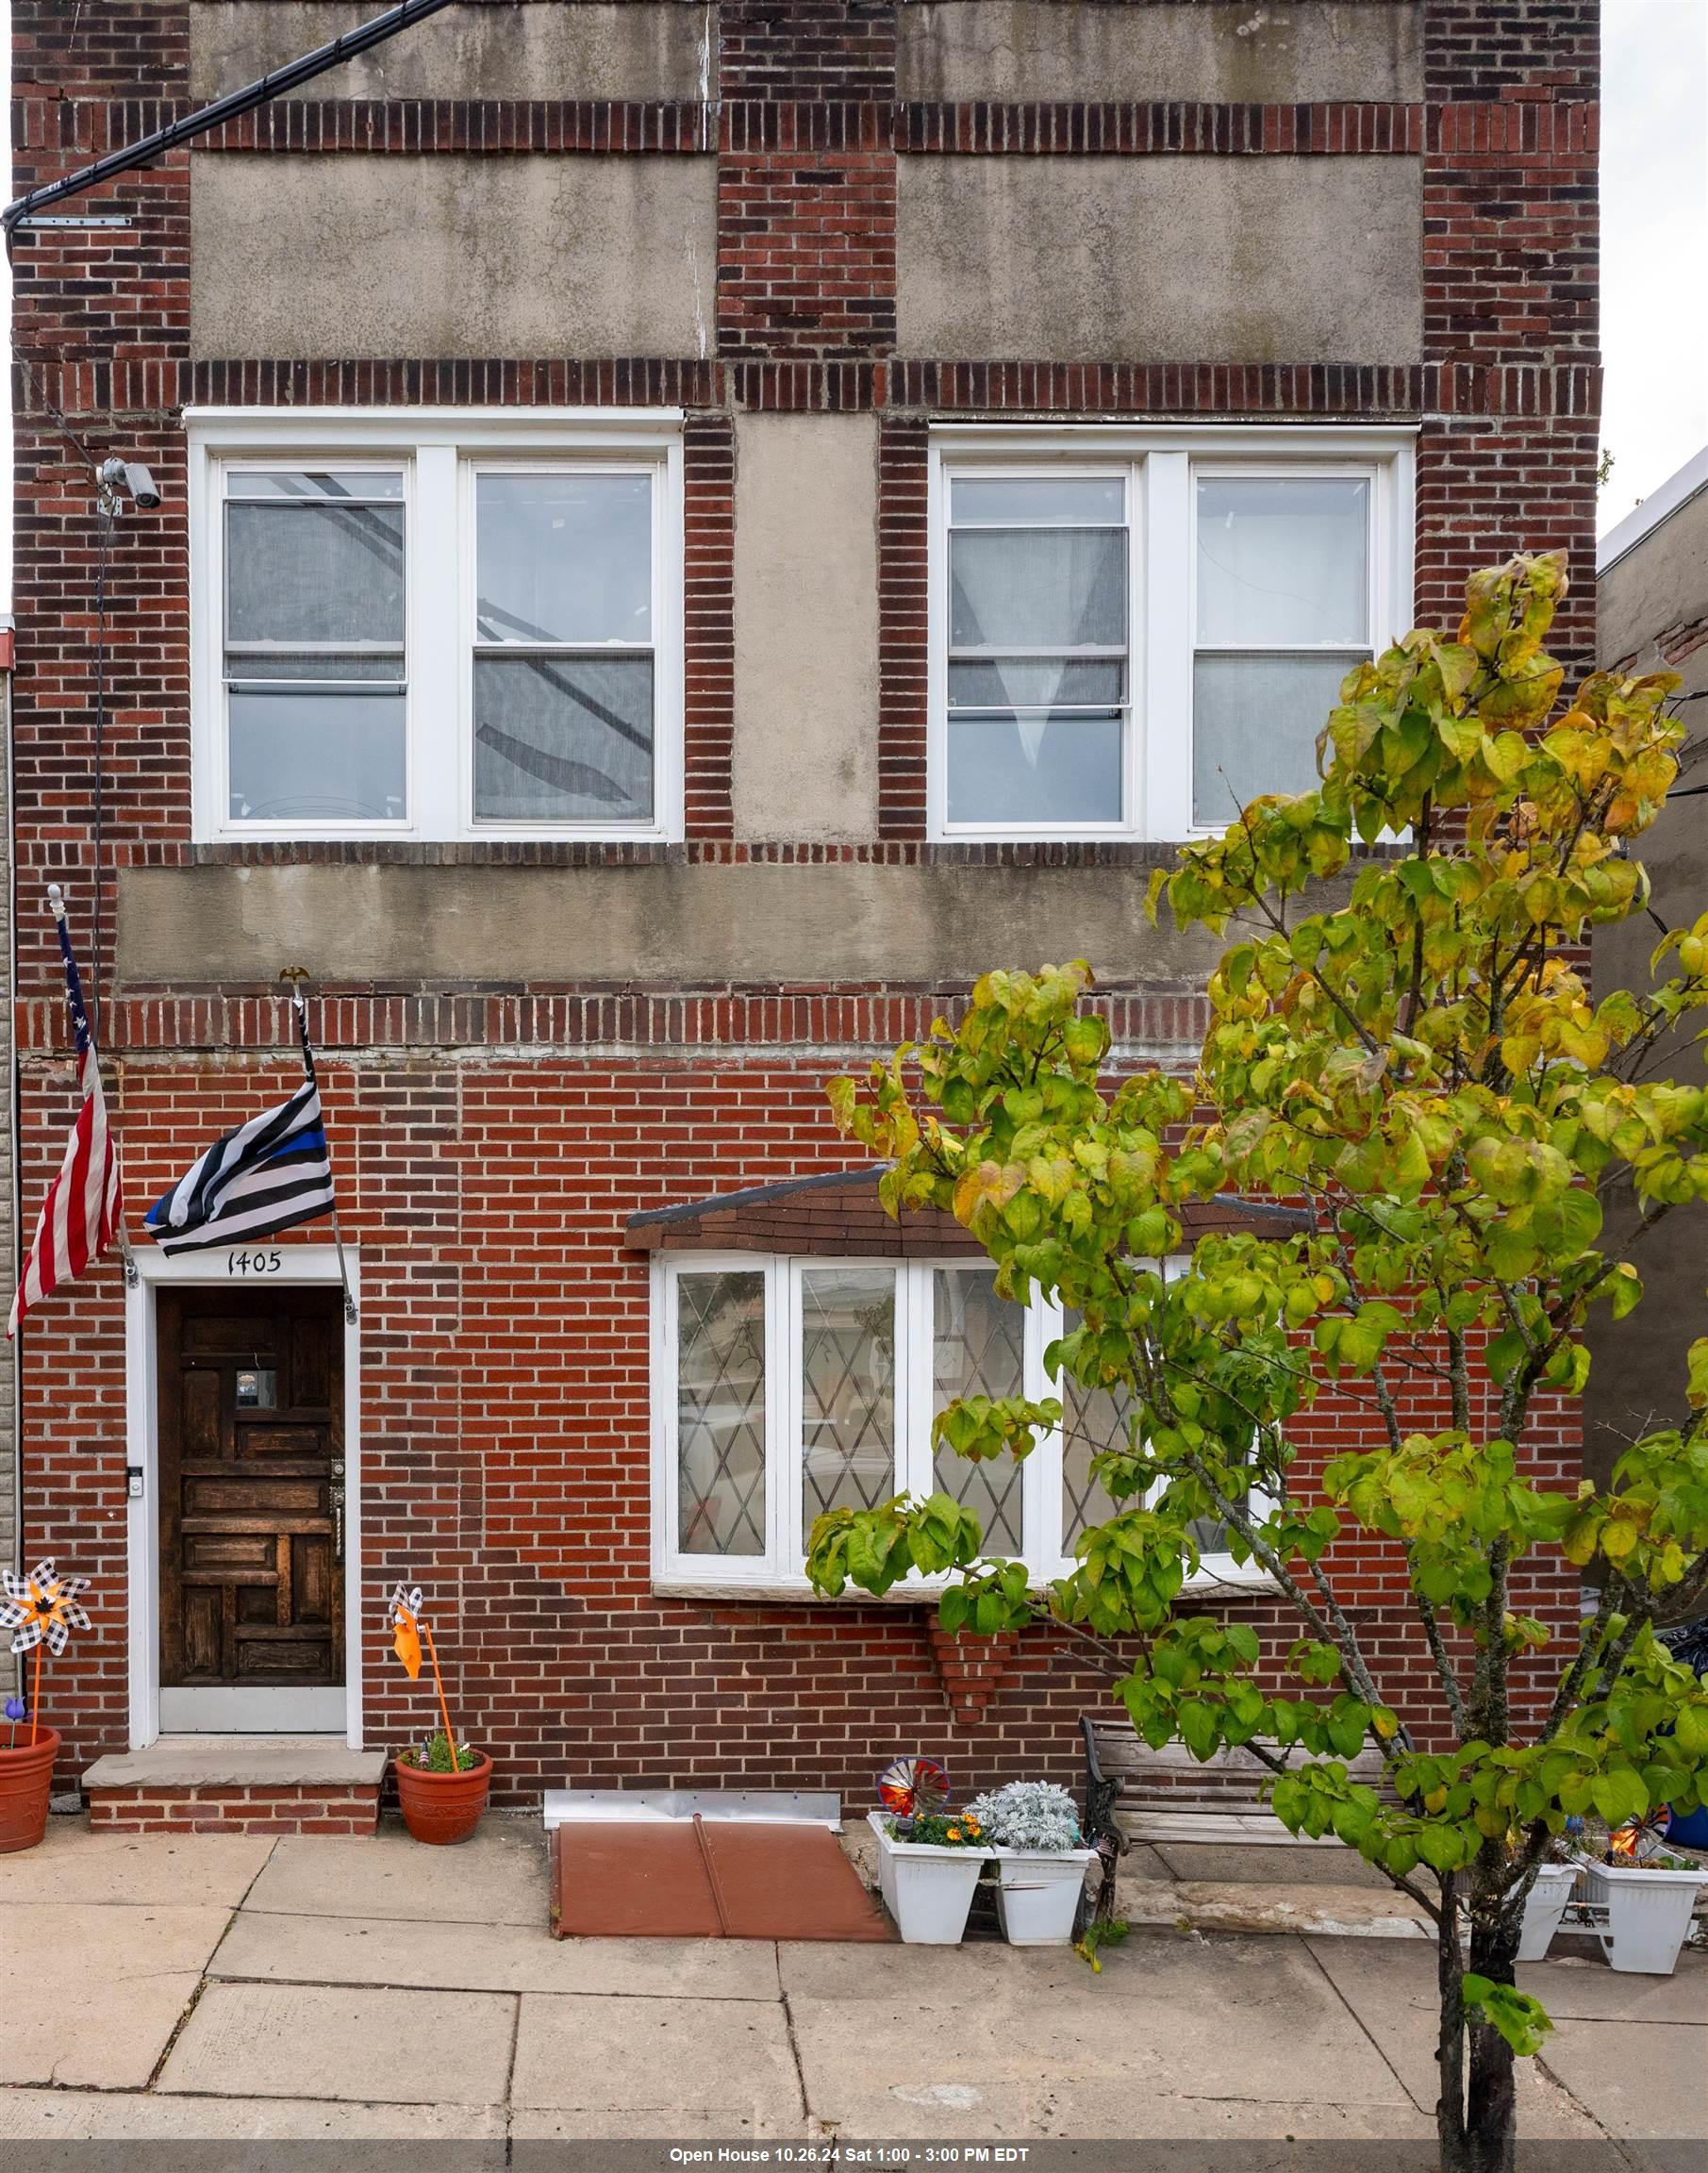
[
  {"x": 784, "y": 1388},
  {"x": 1040, "y": 647},
  {"x": 1133, "y": 632},
  {"x": 439, "y": 629}
]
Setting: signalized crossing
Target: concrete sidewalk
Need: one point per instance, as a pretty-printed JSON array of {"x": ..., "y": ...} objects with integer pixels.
[{"x": 222, "y": 1986}]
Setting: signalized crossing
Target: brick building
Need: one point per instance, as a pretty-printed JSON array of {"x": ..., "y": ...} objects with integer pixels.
[{"x": 687, "y": 534}]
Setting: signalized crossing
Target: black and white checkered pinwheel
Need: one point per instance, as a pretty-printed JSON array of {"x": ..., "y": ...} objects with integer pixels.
[{"x": 42, "y": 1608}]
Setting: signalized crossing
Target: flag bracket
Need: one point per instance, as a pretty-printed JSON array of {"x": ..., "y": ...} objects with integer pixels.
[{"x": 296, "y": 975}]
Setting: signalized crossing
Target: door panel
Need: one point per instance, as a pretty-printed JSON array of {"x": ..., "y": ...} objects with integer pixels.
[{"x": 251, "y": 1475}]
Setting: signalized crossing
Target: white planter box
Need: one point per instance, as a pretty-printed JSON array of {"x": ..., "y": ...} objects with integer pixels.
[
  {"x": 926, "y": 1889},
  {"x": 1544, "y": 1906},
  {"x": 1647, "y": 1914},
  {"x": 1039, "y": 1893}
]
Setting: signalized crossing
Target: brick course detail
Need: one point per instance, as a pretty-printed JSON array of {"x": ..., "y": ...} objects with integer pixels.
[{"x": 259, "y": 1808}]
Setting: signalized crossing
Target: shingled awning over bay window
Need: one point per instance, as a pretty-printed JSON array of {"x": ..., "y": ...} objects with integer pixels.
[{"x": 837, "y": 1214}]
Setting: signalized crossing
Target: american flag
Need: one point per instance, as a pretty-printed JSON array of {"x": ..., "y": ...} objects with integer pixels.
[{"x": 84, "y": 1209}]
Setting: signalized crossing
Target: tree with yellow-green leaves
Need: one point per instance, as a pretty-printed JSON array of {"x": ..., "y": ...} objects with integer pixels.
[{"x": 1419, "y": 1064}]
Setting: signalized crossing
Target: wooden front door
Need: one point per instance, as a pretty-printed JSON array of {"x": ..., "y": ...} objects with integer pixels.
[{"x": 251, "y": 1491}]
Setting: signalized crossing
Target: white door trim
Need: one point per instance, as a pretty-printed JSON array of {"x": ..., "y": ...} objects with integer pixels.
[{"x": 298, "y": 1265}]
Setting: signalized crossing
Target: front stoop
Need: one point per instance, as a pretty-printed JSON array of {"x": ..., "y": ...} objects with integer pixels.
[{"x": 237, "y": 1784}]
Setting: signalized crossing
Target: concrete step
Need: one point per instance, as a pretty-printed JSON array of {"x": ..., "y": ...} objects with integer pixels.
[{"x": 237, "y": 1784}]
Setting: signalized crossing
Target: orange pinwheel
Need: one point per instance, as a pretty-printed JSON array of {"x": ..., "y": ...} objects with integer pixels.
[
  {"x": 408, "y": 1627},
  {"x": 405, "y": 1628}
]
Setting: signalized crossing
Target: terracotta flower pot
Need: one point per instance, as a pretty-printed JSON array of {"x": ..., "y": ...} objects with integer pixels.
[
  {"x": 27, "y": 1782},
  {"x": 442, "y": 1807}
]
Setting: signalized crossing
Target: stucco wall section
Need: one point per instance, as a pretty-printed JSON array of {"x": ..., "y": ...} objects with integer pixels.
[
  {"x": 1225, "y": 54},
  {"x": 1653, "y": 609},
  {"x": 648, "y": 49},
  {"x": 807, "y": 626},
  {"x": 450, "y": 255},
  {"x": 1277, "y": 259},
  {"x": 680, "y": 925},
  {"x": 1659, "y": 586}
]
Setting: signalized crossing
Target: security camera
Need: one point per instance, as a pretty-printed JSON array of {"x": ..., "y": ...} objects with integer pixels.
[
  {"x": 143, "y": 487},
  {"x": 131, "y": 477}
]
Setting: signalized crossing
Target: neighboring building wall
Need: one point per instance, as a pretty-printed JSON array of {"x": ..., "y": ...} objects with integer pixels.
[
  {"x": 9, "y": 1232},
  {"x": 820, "y": 230},
  {"x": 1653, "y": 597}
]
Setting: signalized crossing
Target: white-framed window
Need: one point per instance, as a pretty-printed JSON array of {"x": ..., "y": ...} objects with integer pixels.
[
  {"x": 438, "y": 624},
  {"x": 1136, "y": 630},
  {"x": 784, "y": 1387}
]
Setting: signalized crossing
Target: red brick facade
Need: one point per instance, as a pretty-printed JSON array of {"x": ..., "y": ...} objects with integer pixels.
[{"x": 492, "y": 1141}]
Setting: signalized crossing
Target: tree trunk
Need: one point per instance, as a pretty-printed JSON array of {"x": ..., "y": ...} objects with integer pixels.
[
  {"x": 1450, "y": 2043},
  {"x": 1492, "y": 2111},
  {"x": 1476, "y": 2119}
]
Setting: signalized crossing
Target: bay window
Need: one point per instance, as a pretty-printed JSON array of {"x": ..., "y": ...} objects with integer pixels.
[
  {"x": 1135, "y": 631},
  {"x": 457, "y": 625},
  {"x": 784, "y": 1388}
]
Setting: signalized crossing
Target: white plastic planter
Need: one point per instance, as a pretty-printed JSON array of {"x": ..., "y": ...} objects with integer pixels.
[
  {"x": 1647, "y": 1914},
  {"x": 926, "y": 1889},
  {"x": 1039, "y": 1893},
  {"x": 1544, "y": 1906}
]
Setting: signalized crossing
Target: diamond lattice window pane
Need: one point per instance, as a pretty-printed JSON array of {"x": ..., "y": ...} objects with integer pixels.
[
  {"x": 978, "y": 1351},
  {"x": 848, "y": 1404},
  {"x": 1093, "y": 1420},
  {"x": 721, "y": 1412}
]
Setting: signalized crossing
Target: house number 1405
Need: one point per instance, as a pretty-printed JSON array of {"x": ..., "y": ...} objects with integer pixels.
[{"x": 254, "y": 1263}]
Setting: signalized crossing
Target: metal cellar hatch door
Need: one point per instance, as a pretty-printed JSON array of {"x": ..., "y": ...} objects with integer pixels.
[{"x": 698, "y": 1877}]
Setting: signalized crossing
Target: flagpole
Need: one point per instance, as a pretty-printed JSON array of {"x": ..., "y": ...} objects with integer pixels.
[
  {"x": 296, "y": 975},
  {"x": 56, "y": 905}
]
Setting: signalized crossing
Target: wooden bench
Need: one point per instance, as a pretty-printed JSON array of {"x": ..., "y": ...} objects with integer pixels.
[{"x": 1168, "y": 1795}]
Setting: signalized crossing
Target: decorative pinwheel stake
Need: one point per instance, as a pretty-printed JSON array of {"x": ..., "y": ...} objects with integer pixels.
[
  {"x": 408, "y": 1627},
  {"x": 40, "y": 1609},
  {"x": 1640, "y": 1837},
  {"x": 910, "y": 1786}
]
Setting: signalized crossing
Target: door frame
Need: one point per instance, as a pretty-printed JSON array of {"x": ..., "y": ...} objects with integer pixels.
[{"x": 299, "y": 1265}]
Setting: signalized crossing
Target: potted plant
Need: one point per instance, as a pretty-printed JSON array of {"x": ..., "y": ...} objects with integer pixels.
[
  {"x": 928, "y": 1865},
  {"x": 41, "y": 1610},
  {"x": 1544, "y": 1906},
  {"x": 442, "y": 1787},
  {"x": 1041, "y": 1860},
  {"x": 1649, "y": 1900}
]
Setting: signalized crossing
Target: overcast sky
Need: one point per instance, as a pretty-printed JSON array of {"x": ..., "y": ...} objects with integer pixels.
[
  {"x": 1654, "y": 245},
  {"x": 1654, "y": 242}
]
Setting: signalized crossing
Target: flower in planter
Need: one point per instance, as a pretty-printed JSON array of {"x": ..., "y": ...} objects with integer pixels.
[
  {"x": 16, "y": 1710},
  {"x": 434, "y": 1754},
  {"x": 941, "y": 1829},
  {"x": 1034, "y": 1814}
]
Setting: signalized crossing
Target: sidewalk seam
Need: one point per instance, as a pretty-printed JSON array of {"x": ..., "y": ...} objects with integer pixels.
[
  {"x": 203, "y": 1979},
  {"x": 1427, "y": 2110}
]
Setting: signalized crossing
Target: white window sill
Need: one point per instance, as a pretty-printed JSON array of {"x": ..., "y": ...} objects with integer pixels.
[{"x": 765, "y": 1591}]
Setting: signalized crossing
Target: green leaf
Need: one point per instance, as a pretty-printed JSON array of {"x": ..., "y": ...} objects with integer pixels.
[
  {"x": 1619, "y": 1796},
  {"x": 1519, "y": 2017}
]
